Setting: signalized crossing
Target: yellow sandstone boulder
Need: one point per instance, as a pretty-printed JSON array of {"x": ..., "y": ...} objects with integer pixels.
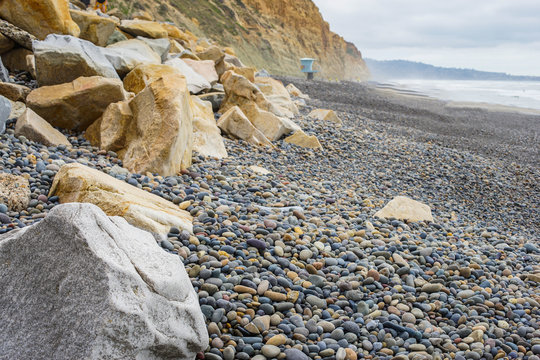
[
  {"x": 137, "y": 79},
  {"x": 236, "y": 124},
  {"x": 247, "y": 72},
  {"x": 14, "y": 92},
  {"x": 277, "y": 94},
  {"x": 294, "y": 91},
  {"x": 144, "y": 28},
  {"x": 35, "y": 128},
  {"x": 78, "y": 183},
  {"x": 326, "y": 115},
  {"x": 302, "y": 139},
  {"x": 263, "y": 114},
  {"x": 39, "y": 17},
  {"x": 207, "y": 139},
  {"x": 94, "y": 28},
  {"x": 160, "y": 139},
  {"x": 76, "y": 105},
  {"x": 213, "y": 53},
  {"x": 109, "y": 132},
  {"x": 153, "y": 132}
]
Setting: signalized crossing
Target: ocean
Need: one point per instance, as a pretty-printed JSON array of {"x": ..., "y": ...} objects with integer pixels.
[{"x": 522, "y": 94}]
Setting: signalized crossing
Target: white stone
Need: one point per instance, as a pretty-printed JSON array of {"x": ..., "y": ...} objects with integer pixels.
[
  {"x": 81, "y": 285},
  {"x": 128, "y": 54},
  {"x": 404, "y": 208},
  {"x": 63, "y": 58}
]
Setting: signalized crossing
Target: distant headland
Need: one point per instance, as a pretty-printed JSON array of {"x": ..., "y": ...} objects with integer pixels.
[{"x": 404, "y": 69}]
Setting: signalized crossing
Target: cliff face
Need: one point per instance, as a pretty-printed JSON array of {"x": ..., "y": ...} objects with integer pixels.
[{"x": 270, "y": 34}]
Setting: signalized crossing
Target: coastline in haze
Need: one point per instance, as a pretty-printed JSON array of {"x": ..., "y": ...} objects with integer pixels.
[{"x": 457, "y": 85}]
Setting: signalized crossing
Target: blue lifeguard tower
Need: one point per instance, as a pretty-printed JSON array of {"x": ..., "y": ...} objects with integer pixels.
[{"x": 306, "y": 66}]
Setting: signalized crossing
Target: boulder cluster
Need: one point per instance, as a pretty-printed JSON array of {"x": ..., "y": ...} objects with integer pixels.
[{"x": 146, "y": 90}]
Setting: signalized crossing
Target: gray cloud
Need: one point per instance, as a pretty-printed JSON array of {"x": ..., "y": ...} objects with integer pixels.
[{"x": 378, "y": 26}]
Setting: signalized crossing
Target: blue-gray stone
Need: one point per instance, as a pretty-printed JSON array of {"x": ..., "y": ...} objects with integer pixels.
[
  {"x": 5, "y": 111},
  {"x": 295, "y": 354},
  {"x": 4, "y": 74}
]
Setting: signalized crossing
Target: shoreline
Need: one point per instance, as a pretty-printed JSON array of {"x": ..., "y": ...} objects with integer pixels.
[
  {"x": 505, "y": 133},
  {"x": 395, "y": 89}
]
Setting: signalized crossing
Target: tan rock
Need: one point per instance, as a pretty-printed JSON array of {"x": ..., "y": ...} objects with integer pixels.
[
  {"x": 176, "y": 47},
  {"x": 17, "y": 109},
  {"x": 94, "y": 28},
  {"x": 40, "y": 17},
  {"x": 273, "y": 86},
  {"x": 259, "y": 170},
  {"x": 15, "y": 60},
  {"x": 207, "y": 139},
  {"x": 247, "y": 72},
  {"x": 264, "y": 115},
  {"x": 142, "y": 75},
  {"x": 149, "y": 29},
  {"x": 31, "y": 65},
  {"x": 143, "y": 15},
  {"x": 240, "y": 91},
  {"x": 109, "y": 132},
  {"x": 277, "y": 340},
  {"x": 302, "y": 139},
  {"x": 294, "y": 91},
  {"x": 14, "y": 192},
  {"x": 404, "y": 208},
  {"x": 160, "y": 139},
  {"x": 326, "y": 115},
  {"x": 277, "y": 94},
  {"x": 6, "y": 44},
  {"x": 272, "y": 126},
  {"x": 213, "y": 53},
  {"x": 187, "y": 54},
  {"x": 176, "y": 33},
  {"x": 78, "y": 183},
  {"x": 222, "y": 67},
  {"x": 14, "y": 92},
  {"x": 35, "y": 128},
  {"x": 205, "y": 68},
  {"x": 233, "y": 60},
  {"x": 78, "y": 104},
  {"x": 236, "y": 124}
]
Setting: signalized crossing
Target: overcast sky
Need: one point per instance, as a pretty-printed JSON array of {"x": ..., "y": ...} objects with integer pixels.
[{"x": 490, "y": 35}]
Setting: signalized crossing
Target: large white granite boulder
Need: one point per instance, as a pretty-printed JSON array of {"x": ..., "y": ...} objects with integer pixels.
[{"x": 81, "y": 285}]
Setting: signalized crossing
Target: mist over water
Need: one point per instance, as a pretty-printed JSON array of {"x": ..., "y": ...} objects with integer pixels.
[{"x": 523, "y": 94}]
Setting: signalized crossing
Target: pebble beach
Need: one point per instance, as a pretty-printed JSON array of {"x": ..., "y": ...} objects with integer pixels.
[{"x": 289, "y": 261}]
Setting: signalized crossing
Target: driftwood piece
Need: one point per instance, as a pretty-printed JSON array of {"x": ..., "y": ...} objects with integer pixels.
[{"x": 16, "y": 34}]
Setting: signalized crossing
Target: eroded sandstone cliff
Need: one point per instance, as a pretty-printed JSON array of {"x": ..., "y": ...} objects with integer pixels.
[{"x": 270, "y": 34}]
